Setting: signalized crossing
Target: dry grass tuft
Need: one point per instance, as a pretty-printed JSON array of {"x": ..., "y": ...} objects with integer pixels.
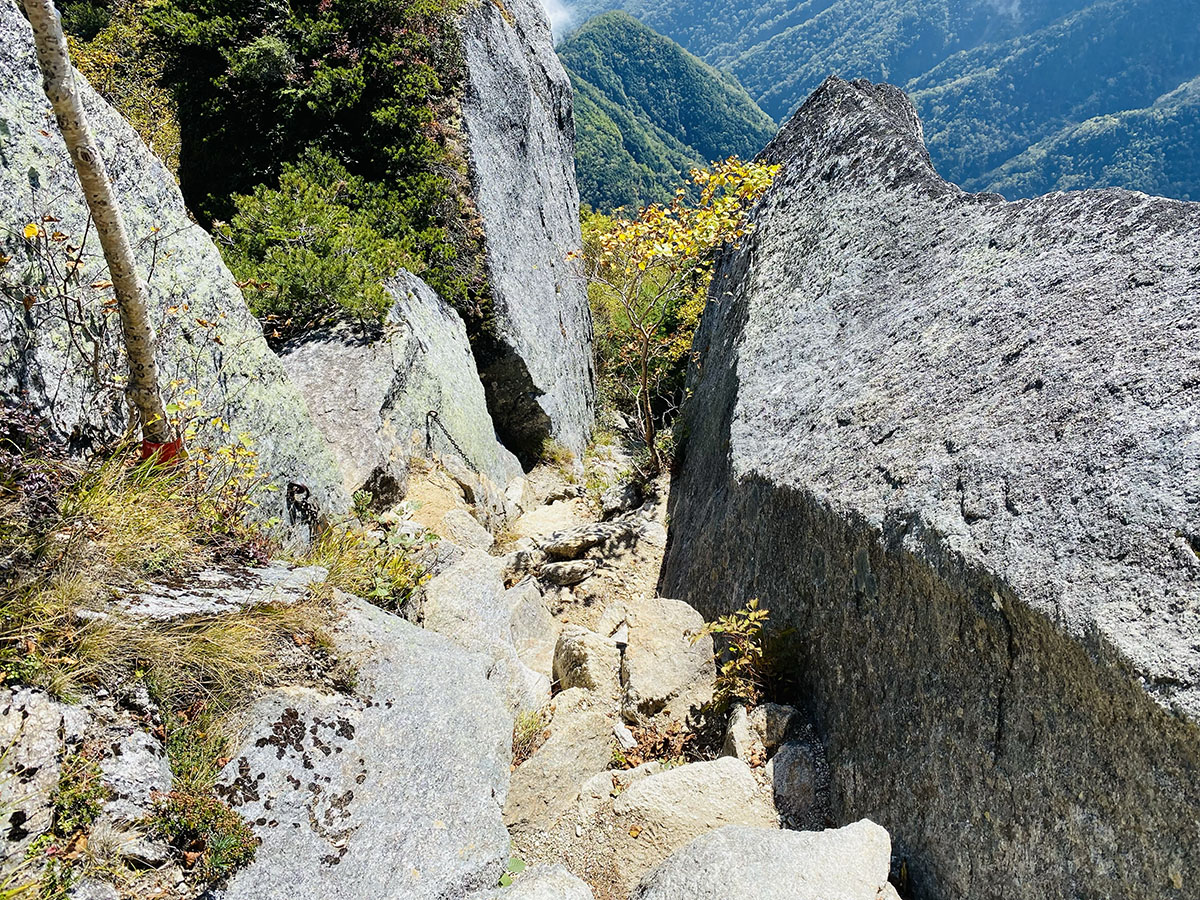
[{"x": 530, "y": 731}]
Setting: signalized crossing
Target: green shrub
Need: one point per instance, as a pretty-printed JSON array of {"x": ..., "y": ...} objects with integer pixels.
[
  {"x": 308, "y": 252},
  {"x": 212, "y": 836},
  {"x": 319, "y": 131},
  {"x": 79, "y": 796},
  {"x": 85, "y": 19},
  {"x": 741, "y": 668}
]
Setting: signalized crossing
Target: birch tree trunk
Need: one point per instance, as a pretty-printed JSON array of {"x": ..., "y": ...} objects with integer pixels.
[{"x": 58, "y": 79}]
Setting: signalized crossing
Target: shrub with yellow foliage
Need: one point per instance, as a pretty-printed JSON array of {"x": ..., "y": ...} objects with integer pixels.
[{"x": 648, "y": 283}]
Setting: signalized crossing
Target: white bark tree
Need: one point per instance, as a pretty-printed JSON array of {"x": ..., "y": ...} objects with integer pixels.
[{"x": 58, "y": 79}]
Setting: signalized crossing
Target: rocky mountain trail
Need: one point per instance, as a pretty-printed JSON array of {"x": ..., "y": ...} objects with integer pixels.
[{"x": 616, "y": 761}]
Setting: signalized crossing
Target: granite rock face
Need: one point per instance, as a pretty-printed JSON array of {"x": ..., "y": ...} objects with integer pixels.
[
  {"x": 414, "y": 388},
  {"x": 952, "y": 442},
  {"x": 208, "y": 340},
  {"x": 537, "y": 368},
  {"x": 849, "y": 863},
  {"x": 468, "y": 604},
  {"x": 395, "y": 791},
  {"x": 212, "y": 592}
]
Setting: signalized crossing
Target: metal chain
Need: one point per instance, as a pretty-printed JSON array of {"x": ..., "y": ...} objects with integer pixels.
[{"x": 432, "y": 418}]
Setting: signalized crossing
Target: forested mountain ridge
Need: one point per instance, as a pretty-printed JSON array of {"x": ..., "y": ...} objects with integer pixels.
[
  {"x": 987, "y": 105},
  {"x": 1156, "y": 150},
  {"x": 647, "y": 110},
  {"x": 990, "y": 79}
]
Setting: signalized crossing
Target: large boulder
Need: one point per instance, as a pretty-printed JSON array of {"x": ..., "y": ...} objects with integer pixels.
[
  {"x": 469, "y": 604},
  {"x": 951, "y": 441},
  {"x": 546, "y": 786},
  {"x": 667, "y": 669},
  {"x": 663, "y": 812},
  {"x": 66, "y": 360},
  {"x": 536, "y": 359},
  {"x": 849, "y": 863},
  {"x": 411, "y": 388},
  {"x": 395, "y": 791}
]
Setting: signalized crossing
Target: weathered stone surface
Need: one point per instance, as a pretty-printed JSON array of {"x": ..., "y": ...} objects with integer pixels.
[
  {"x": 772, "y": 722},
  {"x": 378, "y": 398},
  {"x": 574, "y": 543},
  {"x": 393, "y": 792},
  {"x": 31, "y": 735},
  {"x": 134, "y": 767},
  {"x": 208, "y": 339},
  {"x": 558, "y": 515},
  {"x": 462, "y": 528},
  {"x": 621, "y": 498},
  {"x": 534, "y": 631},
  {"x": 546, "y": 883},
  {"x": 665, "y": 811},
  {"x": 216, "y": 591},
  {"x": 742, "y": 739},
  {"x": 524, "y": 561},
  {"x": 547, "y": 784},
  {"x": 950, "y": 440},
  {"x": 793, "y": 777},
  {"x": 93, "y": 889},
  {"x": 521, "y": 142},
  {"x": 565, "y": 574},
  {"x": 587, "y": 660},
  {"x": 664, "y": 670},
  {"x": 467, "y": 603},
  {"x": 849, "y": 863}
]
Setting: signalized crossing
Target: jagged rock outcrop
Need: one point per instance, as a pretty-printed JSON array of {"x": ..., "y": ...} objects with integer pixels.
[
  {"x": 537, "y": 364},
  {"x": 214, "y": 592},
  {"x": 414, "y": 388},
  {"x": 31, "y": 728},
  {"x": 393, "y": 791},
  {"x": 64, "y": 356},
  {"x": 951, "y": 440}
]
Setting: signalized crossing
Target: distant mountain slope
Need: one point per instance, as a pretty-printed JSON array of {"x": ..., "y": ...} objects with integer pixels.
[
  {"x": 646, "y": 111},
  {"x": 991, "y": 78},
  {"x": 985, "y": 106},
  {"x": 1156, "y": 150},
  {"x": 781, "y": 50}
]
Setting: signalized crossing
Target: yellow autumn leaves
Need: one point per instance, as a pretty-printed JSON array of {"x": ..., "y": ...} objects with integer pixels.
[
  {"x": 687, "y": 231},
  {"x": 649, "y": 282}
]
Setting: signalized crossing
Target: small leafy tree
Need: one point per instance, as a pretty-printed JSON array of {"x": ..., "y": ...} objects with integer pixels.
[
  {"x": 58, "y": 79},
  {"x": 740, "y": 665},
  {"x": 649, "y": 279}
]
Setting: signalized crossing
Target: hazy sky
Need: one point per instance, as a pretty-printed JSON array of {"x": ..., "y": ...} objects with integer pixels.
[{"x": 558, "y": 13}]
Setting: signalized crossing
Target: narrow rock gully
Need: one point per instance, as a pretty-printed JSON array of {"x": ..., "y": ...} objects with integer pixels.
[
  {"x": 534, "y": 726},
  {"x": 624, "y": 781}
]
